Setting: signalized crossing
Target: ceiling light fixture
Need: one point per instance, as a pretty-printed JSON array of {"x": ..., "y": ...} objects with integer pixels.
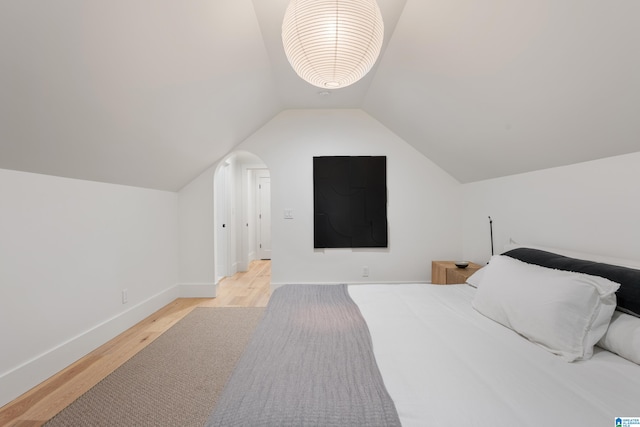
[{"x": 332, "y": 43}]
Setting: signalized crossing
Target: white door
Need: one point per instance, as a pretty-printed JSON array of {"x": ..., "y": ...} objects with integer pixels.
[
  {"x": 264, "y": 217},
  {"x": 221, "y": 223}
]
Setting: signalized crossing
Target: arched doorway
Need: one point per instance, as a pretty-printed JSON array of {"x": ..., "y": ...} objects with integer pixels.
[{"x": 242, "y": 214}]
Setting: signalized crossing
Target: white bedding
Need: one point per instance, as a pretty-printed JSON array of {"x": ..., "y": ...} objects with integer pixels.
[{"x": 443, "y": 363}]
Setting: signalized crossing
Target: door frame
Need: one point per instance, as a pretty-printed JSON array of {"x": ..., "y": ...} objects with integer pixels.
[
  {"x": 262, "y": 253},
  {"x": 222, "y": 197},
  {"x": 240, "y": 196}
]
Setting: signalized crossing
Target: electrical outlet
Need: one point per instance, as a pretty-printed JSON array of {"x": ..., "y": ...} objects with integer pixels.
[
  {"x": 125, "y": 296},
  {"x": 365, "y": 271}
]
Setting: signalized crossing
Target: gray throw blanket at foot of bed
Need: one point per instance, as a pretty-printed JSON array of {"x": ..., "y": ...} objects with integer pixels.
[{"x": 309, "y": 363}]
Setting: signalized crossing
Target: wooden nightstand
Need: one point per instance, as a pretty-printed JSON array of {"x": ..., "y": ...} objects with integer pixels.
[{"x": 446, "y": 272}]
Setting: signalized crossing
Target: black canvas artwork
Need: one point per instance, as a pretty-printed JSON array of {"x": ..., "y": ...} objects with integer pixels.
[{"x": 350, "y": 201}]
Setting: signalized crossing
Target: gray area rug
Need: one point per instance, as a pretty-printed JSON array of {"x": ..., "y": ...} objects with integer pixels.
[{"x": 175, "y": 380}]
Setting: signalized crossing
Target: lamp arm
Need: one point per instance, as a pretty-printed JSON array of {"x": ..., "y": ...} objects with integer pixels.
[{"x": 491, "y": 232}]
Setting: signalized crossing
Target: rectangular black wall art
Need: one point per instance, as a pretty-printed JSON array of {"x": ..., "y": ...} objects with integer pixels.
[{"x": 350, "y": 201}]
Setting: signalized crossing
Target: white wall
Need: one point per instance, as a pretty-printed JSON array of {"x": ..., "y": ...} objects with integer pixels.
[
  {"x": 591, "y": 207},
  {"x": 424, "y": 202},
  {"x": 196, "y": 244},
  {"x": 67, "y": 250}
]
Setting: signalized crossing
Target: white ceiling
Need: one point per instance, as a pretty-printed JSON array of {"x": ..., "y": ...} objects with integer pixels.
[{"x": 151, "y": 92}]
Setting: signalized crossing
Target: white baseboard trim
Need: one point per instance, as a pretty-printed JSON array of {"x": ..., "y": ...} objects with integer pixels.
[
  {"x": 21, "y": 379},
  {"x": 275, "y": 286},
  {"x": 198, "y": 290}
]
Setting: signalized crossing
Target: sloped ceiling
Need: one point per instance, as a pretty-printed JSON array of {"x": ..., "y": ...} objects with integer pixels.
[
  {"x": 146, "y": 93},
  {"x": 151, "y": 92},
  {"x": 498, "y": 87}
]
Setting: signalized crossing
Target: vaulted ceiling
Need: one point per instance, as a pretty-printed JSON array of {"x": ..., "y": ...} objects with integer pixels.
[{"x": 150, "y": 93}]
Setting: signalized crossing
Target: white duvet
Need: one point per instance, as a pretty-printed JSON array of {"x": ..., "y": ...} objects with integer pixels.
[{"x": 445, "y": 364}]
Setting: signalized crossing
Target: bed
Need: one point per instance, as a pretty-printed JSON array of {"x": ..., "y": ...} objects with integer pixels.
[{"x": 467, "y": 354}]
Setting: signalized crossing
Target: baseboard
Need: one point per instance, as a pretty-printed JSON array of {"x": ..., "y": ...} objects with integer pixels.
[
  {"x": 21, "y": 379},
  {"x": 198, "y": 290}
]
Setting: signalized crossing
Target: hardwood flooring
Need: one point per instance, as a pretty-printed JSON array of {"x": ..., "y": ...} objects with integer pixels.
[{"x": 35, "y": 407}]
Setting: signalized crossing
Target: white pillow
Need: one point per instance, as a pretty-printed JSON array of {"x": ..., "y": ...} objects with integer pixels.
[
  {"x": 564, "y": 312},
  {"x": 623, "y": 337},
  {"x": 475, "y": 279}
]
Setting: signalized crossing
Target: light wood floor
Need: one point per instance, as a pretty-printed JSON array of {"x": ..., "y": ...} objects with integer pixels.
[{"x": 34, "y": 408}]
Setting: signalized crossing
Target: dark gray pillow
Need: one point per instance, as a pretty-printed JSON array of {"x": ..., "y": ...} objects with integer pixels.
[{"x": 628, "y": 295}]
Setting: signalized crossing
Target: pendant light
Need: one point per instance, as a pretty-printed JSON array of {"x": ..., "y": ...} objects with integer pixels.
[{"x": 332, "y": 43}]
